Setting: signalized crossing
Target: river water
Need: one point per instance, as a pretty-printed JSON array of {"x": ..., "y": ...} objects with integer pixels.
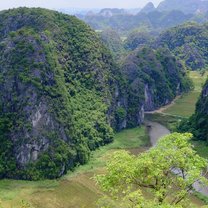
[{"x": 156, "y": 131}]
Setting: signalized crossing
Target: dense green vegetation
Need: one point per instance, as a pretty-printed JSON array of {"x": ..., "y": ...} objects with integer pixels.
[
  {"x": 197, "y": 124},
  {"x": 155, "y": 78},
  {"x": 189, "y": 43},
  {"x": 137, "y": 39},
  {"x": 127, "y": 174},
  {"x": 63, "y": 94},
  {"x": 112, "y": 40},
  {"x": 57, "y": 93},
  {"x": 65, "y": 90},
  {"x": 193, "y": 111}
]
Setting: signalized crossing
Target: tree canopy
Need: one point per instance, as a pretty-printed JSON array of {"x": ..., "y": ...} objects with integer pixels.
[{"x": 168, "y": 171}]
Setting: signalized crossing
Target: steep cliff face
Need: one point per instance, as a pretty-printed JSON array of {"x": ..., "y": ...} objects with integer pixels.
[
  {"x": 154, "y": 79},
  {"x": 57, "y": 93}
]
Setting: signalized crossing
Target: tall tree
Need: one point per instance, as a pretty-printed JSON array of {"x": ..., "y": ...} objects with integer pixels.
[{"x": 168, "y": 171}]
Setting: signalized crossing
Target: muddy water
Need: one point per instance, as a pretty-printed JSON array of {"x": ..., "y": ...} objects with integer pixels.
[{"x": 156, "y": 131}]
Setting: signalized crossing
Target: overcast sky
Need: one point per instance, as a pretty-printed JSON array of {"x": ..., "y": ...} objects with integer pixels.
[{"x": 57, "y": 4}]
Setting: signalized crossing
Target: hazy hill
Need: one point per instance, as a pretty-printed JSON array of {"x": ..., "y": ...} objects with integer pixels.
[
  {"x": 125, "y": 23},
  {"x": 186, "y": 6},
  {"x": 149, "y": 7}
]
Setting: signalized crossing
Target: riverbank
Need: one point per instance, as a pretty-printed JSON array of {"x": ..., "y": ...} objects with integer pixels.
[{"x": 156, "y": 131}]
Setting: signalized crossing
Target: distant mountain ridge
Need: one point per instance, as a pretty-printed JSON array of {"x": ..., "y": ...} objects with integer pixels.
[
  {"x": 107, "y": 12},
  {"x": 124, "y": 23},
  {"x": 186, "y": 6},
  {"x": 149, "y": 7}
]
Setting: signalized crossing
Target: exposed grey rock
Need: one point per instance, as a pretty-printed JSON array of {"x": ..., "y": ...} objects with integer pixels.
[{"x": 149, "y": 100}]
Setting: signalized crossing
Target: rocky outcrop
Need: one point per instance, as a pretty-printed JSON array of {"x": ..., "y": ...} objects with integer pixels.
[
  {"x": 149, "y": 102},
  {"x": 61, "y": 93},
  {"x": 108, "y": 12}
]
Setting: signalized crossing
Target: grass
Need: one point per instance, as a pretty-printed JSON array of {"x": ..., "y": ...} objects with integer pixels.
[
  {"x": 185, "y": 105},
  {"x": 77, "y": 189},
  {"x": 130, "y": 139},
  {"x": 201, "y": 148}
]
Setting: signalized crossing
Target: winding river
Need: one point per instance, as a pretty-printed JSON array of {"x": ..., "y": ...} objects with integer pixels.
[{"x": 156, "y": 131}]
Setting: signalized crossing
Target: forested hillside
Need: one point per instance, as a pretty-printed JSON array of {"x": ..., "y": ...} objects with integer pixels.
[
  {"x": 62, "y": 94},
  {"x": 201, "y": 116},
  {"x": 57, "y": 98},
  {"x": 189, "y": 43},
  {"x": 112, "y": 41},
  {"x": 157, "y": 72}
]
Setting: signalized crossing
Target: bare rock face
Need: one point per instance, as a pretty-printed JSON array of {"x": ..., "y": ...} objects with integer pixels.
[
  {"x": 149, "y": 102},
  {"x": 23, "y": 95}
]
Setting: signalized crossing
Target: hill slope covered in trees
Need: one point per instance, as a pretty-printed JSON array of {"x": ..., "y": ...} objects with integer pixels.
[
  {"x": 57, "y": 82},
  {"x": 189, "y": 43},
  {"x": 61, "y": 93}
]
